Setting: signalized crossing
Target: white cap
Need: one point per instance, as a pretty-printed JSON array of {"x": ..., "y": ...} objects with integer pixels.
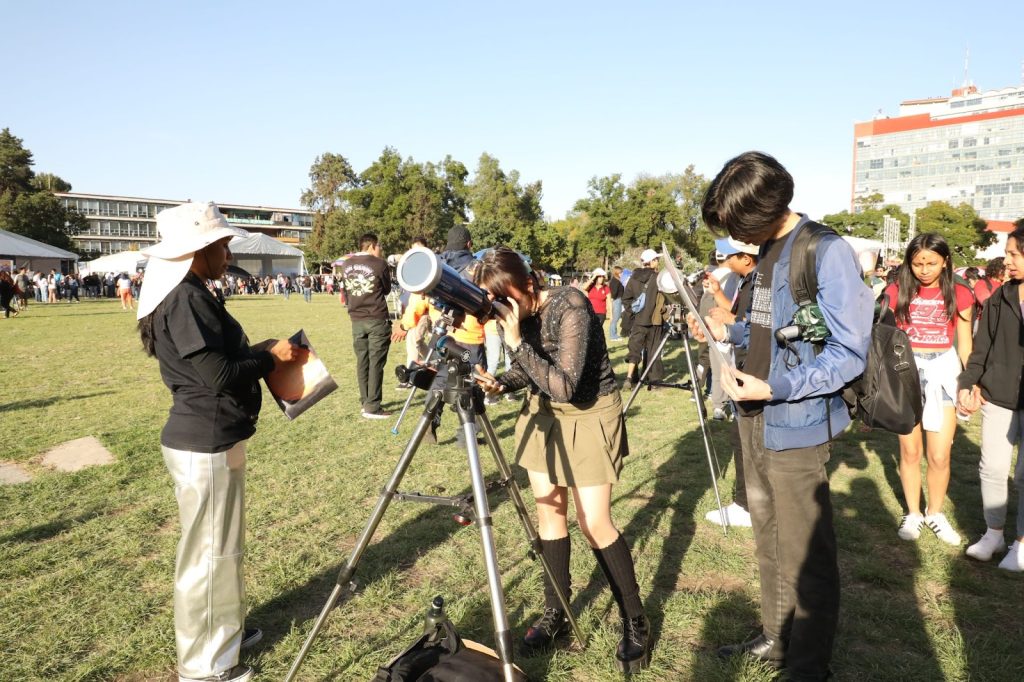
[
  {"x": 599, "y": 272},
  {"x": 648, "y": 255}
]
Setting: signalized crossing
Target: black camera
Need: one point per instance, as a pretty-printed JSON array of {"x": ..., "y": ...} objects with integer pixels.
[
  {"x": 421, "y": 271},
  {"x": 696, "y": 278},
  {"x": 783, "y": 335}
]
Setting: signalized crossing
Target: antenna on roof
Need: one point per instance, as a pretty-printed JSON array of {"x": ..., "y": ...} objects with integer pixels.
[{"x": 967, "y": 65}]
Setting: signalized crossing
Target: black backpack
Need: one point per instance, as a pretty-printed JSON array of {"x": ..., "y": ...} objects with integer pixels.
[
  {"x": 443, "y": 656},
  {"x": 888, "y": 395}
]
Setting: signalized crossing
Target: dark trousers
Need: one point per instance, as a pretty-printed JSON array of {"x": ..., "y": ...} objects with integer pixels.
[
  {"x": 739, "y": 488},
  {"x": 371, "y": 340},
  {"x": 791, "y": 509},
  {"x": 646, "y": 339}
]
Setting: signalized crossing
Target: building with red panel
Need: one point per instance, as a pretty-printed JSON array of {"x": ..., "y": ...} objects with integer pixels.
[{"x": 965, "y": 148}]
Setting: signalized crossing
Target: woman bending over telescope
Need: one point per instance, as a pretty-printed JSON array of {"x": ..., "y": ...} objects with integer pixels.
[{"x": 570, "y": 435}]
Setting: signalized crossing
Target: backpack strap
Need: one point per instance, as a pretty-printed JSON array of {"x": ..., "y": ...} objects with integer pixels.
[{"x": 803, "y": 263}]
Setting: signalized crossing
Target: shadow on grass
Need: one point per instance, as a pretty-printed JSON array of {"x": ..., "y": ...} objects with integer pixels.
[
  {"x": 46, "y": 402},
  {"x": 45, "y": 531}
]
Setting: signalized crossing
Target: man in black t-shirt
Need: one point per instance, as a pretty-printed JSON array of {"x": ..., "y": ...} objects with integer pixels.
[
  {"x": 790, "y": 405},
  {"x": 367, "y": 282}
]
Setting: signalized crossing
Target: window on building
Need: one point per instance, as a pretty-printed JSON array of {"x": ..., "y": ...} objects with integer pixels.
[
  {"x": 954, "y": 143},
  {"x": 875, "y": 163},
  {"x": 970, "y": 142}
]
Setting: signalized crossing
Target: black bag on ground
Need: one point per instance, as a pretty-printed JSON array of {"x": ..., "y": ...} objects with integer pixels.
[
  {"x": 442, "y": 656},
  {"x": 888, "y": 395}
]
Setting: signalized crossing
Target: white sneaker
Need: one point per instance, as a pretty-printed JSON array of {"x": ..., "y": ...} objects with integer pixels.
[
  {"x": 1014, "y": 559},
  {"x": 985, "y": 548},
  {"x": 736, "y": 515},
  {"x": 910, "y": 527},
  {"x": 940, "y": 526}
]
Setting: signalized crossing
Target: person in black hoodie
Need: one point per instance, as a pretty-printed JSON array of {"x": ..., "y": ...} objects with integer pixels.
[
  {"x": 644, "y": 324},
  {"x": 991, "y": 382}
]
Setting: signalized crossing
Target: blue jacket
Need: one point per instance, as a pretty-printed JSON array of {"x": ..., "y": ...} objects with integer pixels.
[{"x": 796, "y": 417}]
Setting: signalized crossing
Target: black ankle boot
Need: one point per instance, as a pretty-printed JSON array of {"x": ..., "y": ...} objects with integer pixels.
[
  {"x": 762, "y": 648},
  {"x": 634, "y": 650},
  {"x": 546, "y": 629}
]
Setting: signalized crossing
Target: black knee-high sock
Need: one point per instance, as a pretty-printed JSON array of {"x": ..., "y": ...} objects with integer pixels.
[
  {"x": 556, "y": 552},
  {"x": 617, "y": 565}
]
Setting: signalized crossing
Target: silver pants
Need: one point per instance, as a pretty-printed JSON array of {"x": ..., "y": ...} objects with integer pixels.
[
  {"x": 1001, "y": 429},
  {"x": 209, "y": 595}
]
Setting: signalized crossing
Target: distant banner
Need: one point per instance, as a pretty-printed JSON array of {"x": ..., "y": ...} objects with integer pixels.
[{"x": 6, "y": 264}]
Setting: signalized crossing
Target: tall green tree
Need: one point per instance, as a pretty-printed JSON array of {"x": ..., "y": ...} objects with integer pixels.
[
  {"x": 28, "y": 208},
  {"x": 503, "y": 210},
  {"x": 867, "y": 218},
  {"x": 48, "y": 182},
  {"x": 330, "y": 177},
  {"x": 962, "y": 227},
  {"x": 600, "y": 237},
  {"x": 15, "y": 164}
]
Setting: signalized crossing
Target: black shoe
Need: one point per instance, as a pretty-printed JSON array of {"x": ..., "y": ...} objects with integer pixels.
[
  {"x": 762, "y": 647},
  {"x": 634, "y": 650},
  {"x": 546, "y": 629},
  {"x": 250, "y": 636}
]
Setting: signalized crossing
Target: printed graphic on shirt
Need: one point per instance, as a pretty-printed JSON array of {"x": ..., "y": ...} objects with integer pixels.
[
  {"x": 761, "y": 304},
  {"x": 929, "y": 323},
  {"x": 359, "y": 280}
]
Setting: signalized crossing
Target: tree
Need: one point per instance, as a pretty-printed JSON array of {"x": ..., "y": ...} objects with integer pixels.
[
  {"x": 867, "y": 218},
  {"x": 504, "y": 211},
  {"x": 48, "y": 182},
  {"x": 600, "y": 239},
  {"x": 15, "y": 164},
  {"x": 962, "y": 227},
  {"x": 330, "y": 177},
  {"x": 27, "y": 206}
]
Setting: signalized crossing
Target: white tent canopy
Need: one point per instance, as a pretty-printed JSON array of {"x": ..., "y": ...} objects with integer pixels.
[
  {"x": 122, "y": 261},
  {"x": 22, "y": 247},
  {"x": 259, "y": 254}
]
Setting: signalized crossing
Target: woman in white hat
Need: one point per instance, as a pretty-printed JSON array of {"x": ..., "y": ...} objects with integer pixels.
[
  {"x": 212, "y": 371},
  {"x": 599, "y": 293}
]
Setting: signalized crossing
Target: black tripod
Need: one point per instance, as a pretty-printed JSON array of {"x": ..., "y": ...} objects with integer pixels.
[
  {"x": 675, "y": 327},
  {"x": 466, "y": 399}
]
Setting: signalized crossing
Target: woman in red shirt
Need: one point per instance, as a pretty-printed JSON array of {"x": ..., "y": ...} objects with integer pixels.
[
  {"x": 935, "y": 312},
  {"x": 599, "y": 293}
]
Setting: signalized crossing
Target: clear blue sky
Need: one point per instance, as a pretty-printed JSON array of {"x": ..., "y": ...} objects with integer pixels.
[{"x": 232, "y": 101}]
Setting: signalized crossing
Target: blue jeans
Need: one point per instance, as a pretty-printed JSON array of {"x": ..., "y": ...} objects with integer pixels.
[
  {"x": 616, "y": 314},
  {"x": 307, "y": 293}
]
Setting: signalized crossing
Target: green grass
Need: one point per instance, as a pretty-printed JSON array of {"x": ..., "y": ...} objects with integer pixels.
[{"x": 86, "y": 559}]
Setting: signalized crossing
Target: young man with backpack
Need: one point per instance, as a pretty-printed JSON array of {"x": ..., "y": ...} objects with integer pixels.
[
  {"x": 789, "y": 402},
  {"x": 642, "y": 307}
]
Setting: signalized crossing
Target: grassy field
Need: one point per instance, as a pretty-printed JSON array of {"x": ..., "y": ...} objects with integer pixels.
[{"x": 86, "y": 558}]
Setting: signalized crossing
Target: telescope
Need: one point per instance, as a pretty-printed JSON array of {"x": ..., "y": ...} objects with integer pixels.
[{"x": 421, "y": 271}]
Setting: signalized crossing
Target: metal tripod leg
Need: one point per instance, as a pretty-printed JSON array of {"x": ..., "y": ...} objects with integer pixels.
[
  {"x": 527, "y": 523},
  {"x": 434, "y": 404},
  {"x": 647, "y": 369},
  {"x": 708, "y": 446},
  {"x": 502, "y": 632}
]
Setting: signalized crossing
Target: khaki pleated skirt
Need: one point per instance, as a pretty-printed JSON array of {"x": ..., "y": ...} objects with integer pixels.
[{"x": 575, "y": 445}]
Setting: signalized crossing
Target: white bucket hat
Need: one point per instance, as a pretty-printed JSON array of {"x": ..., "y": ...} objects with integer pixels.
[
  {"x": 599, "y": 272},
  {"x": 649, "y": 255},
  {"x": 184, "y": 229}
]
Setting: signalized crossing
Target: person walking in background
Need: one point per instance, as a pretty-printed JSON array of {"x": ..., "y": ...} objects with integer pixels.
[
  {"x": 307, "y": 287},
  {"x": 24, "y": 283},
  {"x": 7, "y": 293},
  {"x": 52, "y": 283},
  {"x": 599, "y": 293},
  {"x": 213, "y": 374},
  {"x": 124, "y": 291},
  {"x": 615, "y": 291},
  {"x": 995, "y": 275},
  {"x": 991, "y": 382},
  {"x": 935, "y": 312},
  {"x": 367, "y": 280}
]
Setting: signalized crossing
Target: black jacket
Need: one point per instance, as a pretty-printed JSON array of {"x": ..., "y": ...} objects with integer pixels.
[
  {"x": 998, "y": 355},
  {"x": 643, "y": 280}
]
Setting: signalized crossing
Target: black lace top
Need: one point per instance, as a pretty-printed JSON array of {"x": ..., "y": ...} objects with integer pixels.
[{"x": 563, "y": 354}]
